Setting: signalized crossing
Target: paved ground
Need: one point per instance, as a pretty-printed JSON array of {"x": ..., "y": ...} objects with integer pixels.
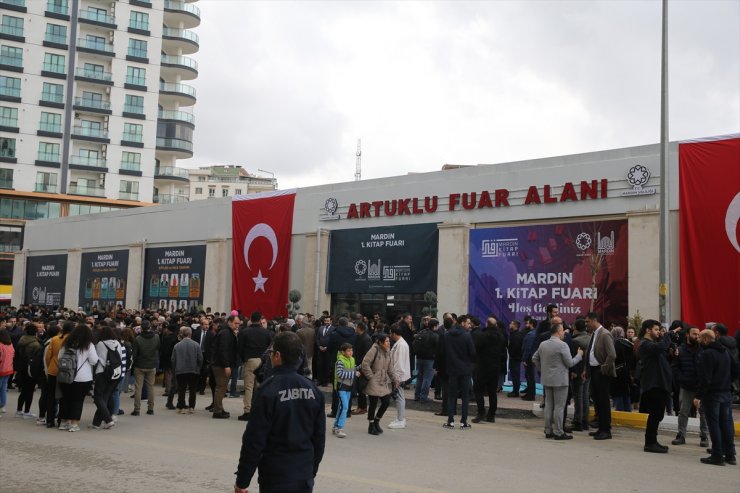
[{"x": 194, "y": 453}]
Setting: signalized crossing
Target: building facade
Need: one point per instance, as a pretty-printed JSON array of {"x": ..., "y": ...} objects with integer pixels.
[
  {"x": 226, "y": 181},
  {"x": 93, "y": 108}
]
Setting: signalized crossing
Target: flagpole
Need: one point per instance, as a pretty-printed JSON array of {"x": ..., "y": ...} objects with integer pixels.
[{"x": 664, "y": 271}]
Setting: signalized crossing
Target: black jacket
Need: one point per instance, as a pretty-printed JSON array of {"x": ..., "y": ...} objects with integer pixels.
[
  {"x": 253, "y": 341},
  {"x": 516, "y": 340},
  {"x": 655, "y": 369},
  {"x": 165, "y": 350},
  {"x": 488, "y": 347},
  {"x": 685, "y": 366},
  {"x": 458, "y": 352},
  {"x": 285, "y": 435},
  {"x": 323, "y": 340},
  {"x": 731, "y": 345},
  {"x": 363, "y": 343},
  {"x": 223, "y": 348},
  {"x": 339, "y": 336},
  {"x": 716, "y": 370}
]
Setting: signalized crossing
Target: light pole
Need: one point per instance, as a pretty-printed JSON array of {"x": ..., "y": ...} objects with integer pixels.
[{"x": 664, "y": 270}]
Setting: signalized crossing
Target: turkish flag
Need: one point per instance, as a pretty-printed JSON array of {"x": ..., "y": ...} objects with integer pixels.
[
  {"x": 709, "y": 195},
  {"x": 262, "y": 228}
]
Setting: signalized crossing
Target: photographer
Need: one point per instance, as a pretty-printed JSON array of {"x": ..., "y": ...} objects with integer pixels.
[{"x": 655, "y": 380}]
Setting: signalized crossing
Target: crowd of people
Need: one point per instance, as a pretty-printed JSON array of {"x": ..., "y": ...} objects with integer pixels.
[{"x": 69, "y": 355}]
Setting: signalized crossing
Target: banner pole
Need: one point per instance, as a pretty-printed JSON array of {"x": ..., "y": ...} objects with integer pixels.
[{"x": 663, "y": 297}]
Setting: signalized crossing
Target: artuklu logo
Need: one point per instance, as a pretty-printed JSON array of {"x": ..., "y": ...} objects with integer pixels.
[
  {"x": 500, "y": 248},
  {"x": 330, "y": 210},
  {"x": 583, "y": 241},
  {"x": 360, "y": 267},
  {"x": 637, "y": 176}
]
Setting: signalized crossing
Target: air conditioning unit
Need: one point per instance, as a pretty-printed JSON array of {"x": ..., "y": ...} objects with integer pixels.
[
  {"x": 107, "y": 90},
  {"x": 110, "y": 36}
]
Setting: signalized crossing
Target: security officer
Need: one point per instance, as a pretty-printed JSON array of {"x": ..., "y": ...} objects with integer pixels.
[{"x": 286, "y": 433}]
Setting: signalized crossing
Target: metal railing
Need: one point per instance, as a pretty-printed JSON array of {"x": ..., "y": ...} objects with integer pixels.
[
  {"x": 8, "y": 122},
  {"x": 98, "y": 45},
  {"x": 52, "y": 97},
  {"x": 175, "y": 144},
  {"x": 50, "y": 127},
  {"x": 131, "y": 165},
  {"x": 12, "y": 61},
  {"x": 75, "y": 189},
  {"x": 92, "y": 15},
  {"x": 93, "y": 74},
  {"x": 182, "y": 61},
  {"x": 182, "y": 6},
  {"x": 13, "y": 92},
  {"x": 55, "y": 38},
  {"x": 175, "y": 87},
  {"x": 181, "y": 33},
  {"x": 88, "y": 161},
  {"x": 90, "y": 132},
  {"x": 132, "y": 137},
  {"x": 51, "y": 157},
  {"x": 176, "y": 115},
  {"x": 165, "y": 198},
  {"x": 131, "y": 108},
  {"x": 143, "y": 25},
  {"x": 11, "y": 30},
  {"x": 128, "y": 195},
  {"x": 97, "y": 104},
  {"x": 57, "y": 68},
  {"x": 54, "y": 8},
  {"x": 45, "y": 187},
  {"x": 137, "y": 81},
  {"x": 137, "y": 52},
  {"x": 171, "y": 171}
]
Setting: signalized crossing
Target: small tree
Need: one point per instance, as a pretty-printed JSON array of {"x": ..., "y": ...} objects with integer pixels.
[
  {"x": 635, "y": 321},
  {"x": 294, "y": 296},
  {"x": 430, "y": 298}
]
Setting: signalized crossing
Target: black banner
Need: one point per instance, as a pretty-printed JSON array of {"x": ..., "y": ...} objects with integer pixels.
[
  {"x": 46, "y": 276},
  {"x": 173, "y": 278},
  {"x": 393, "y": 259},
  {"x": 103, "y": 280}
]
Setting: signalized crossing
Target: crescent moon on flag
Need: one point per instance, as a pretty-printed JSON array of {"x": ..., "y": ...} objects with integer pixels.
[
  {"x": 261, "y": 230},
  {"x": 731, "y": 219}
]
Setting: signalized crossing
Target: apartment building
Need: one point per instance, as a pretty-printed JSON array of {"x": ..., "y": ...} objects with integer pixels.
[
  {"x": 226, "y": 181},
  {"x": 94, "y": 108}
]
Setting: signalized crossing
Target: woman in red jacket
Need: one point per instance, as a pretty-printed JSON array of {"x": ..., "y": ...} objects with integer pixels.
[{"x": 6, "y": 367}]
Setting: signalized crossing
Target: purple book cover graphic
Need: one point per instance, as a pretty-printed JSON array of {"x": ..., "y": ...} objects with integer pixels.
[{"x": 518, "y": 271}]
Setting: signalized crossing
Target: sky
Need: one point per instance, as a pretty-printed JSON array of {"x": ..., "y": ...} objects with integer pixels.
[{"x": 290, "y": 86}]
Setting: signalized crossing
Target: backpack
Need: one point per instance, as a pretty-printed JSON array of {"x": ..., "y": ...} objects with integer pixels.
[
  {"x": 113, "y": 364},
  {"x": 67, "y": 366},
  {"x": 423, "y": 344}
]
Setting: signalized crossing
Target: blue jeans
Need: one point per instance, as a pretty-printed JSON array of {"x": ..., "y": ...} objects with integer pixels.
[
  {"x": 117, "y": 394},
  {"x": 344, "y": 398},
  {"x": 425, "y": 367},
  {"x": 4, "y": 390},
  {"x": 718, "y": 411},
  {"x": 622, "y": 403}
]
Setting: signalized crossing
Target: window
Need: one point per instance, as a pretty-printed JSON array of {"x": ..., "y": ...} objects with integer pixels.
[
  {"x": 91, "y": 128},
  {"x": 211, "y": 191},
  {"x": 136, "y": 76},
  {"x": 199, "y": 191},
  {"x": 6, "y": 178},
  {"x": 201, "y": 178},
  {"x": 137, "y": 48},
  {"x": 54, "y": 63},
  {"x": 134, "y": 104},
  {"x": 129, "y": 190},
  {"x": 95, "y": 14},
  {"x": 139, "y": 20},
  {"x": 91, "y": 99},
  {"x": 11, "y": 56},
  {"x": 57, "y": 6},
  {"x": 10, "y": 86},
  {"x": 53, "y": 93},
  {"x": 131, "y": 160},
  {"x": 88, "y": 157},
  {"x": 133, "y": 132},
  {"x": 238, "y": 191},
  {"x": 224, "y": 192},
  {"x": 48, "y": 152},
  {"x": 50, "y": 122},
  {"x": 95, "y": 42},
  {"x": 46, "y": 182},
  {"x": 56, "y": 34},
  {"x": 7, "y": 147},
  {"x": 8, "y": 116},
  {"x": 12, "y": 26}
]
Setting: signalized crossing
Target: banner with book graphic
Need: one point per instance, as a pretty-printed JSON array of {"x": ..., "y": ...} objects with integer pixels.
[
  {"x": 103, "y": 280},
  {"x": 173, "y": 278}
]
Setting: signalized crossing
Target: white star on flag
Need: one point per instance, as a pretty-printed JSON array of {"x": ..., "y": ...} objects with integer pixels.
[{"x": 259, "y": 282}]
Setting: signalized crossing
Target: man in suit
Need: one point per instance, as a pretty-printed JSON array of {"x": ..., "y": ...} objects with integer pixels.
[
  {"x": 323, "y": 357},
  {"x": 554, "y": 361},
  {"x": 600, "y": 368}
]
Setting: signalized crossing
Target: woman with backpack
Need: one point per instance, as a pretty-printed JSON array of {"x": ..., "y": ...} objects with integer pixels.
[
  {"x": 108, "y": 372},
  {"x": 77, "y": 359},
  {"x": 6, "y": 366},
  {"x": 28, "y": 346}
]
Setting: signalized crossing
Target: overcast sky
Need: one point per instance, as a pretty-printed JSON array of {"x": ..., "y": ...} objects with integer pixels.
[{"x": 289, "y": 87}]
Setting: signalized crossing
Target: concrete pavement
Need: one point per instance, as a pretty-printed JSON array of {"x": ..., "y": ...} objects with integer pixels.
[{"x": 194, "y": 453}]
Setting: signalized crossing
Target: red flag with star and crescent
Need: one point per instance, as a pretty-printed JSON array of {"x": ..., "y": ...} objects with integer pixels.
[{"x": 262, "y": 227}]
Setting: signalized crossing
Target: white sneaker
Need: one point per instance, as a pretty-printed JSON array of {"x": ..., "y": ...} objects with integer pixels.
[
  {"x": 340, "y": 433},
  {"x": 19, "y": 414},
  {"x": 2, "y": 410},
  {"x": 64, "y": 427},
  {"x": 397, "y": 425},
  {"x": 108, "y": 426},
  {"x": 41, "y": 421},
  {"x": 28, "y": 415}
]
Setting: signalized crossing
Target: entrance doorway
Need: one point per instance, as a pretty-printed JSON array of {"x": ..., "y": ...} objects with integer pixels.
[{"x": 389, "y": 306}]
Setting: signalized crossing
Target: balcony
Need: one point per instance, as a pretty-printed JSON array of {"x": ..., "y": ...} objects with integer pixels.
[
  {"x": 94, "y": 76},
  {"x": 176, "y": 12},
  {"x": 171, "y": 173},
  {"x": 183, "y": 39},
  {"x": 132, "y": 167},
  {"x": 9, "y": 122},
  {"x": 52, "y": 128},
  {"x": 90, "y": 191},
  {"x": 45, "y": 187},
  {"x": 180, "y": 148},
  {"x": 165, "y": 198},
  {"x": 180, "y": 116},
  {"x": 12, "y": 33},
  {"x": 92, "y": 105},
  {"x": 48, "y": 158},
  {"x": 17, "y": 5},
  {"x": 171, "y": 94},
  {"x": 54, "y": 8},
  {"x": 10, "y": 92},
  {"x": 86, "y": 162},
  {"x": 54, "y": 69},
  {"x": 90, "y": 133},
  {"x": 53, "y": 99},
  {"x": 12, "y": 63},
  {"x": 128, "y": 196},
  {"x": 96, "y": 47},
  {"x": 101, "y": 19},
  {"x": 6, "y": 183},
  {"x": 55, "y": 40},
  {"x": 183, "y": 66}
]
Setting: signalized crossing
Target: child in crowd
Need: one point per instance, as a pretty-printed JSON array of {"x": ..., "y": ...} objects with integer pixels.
[{"x": 345, "y": 372}]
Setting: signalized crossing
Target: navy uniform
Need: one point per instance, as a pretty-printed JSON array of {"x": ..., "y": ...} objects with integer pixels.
[{"x": 285, "y": 435}]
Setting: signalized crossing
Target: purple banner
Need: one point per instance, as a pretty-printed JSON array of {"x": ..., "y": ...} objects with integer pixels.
[{"x": 518, "y": 271}]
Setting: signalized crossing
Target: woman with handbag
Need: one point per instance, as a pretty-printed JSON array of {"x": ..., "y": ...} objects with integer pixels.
[{"x": 376, "y": 369}]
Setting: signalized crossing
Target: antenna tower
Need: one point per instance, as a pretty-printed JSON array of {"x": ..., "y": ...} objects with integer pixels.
[{"x": 358, "y": 165}]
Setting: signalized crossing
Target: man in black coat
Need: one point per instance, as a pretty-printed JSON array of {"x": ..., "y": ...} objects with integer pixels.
[
  {"x": 253, "y": 341},
  {"x": 489, "y": 345},
  {"x": 655, "y": 381},
  {"x": 717, "y": 370},
  {"x": 223, "y": 358},
  {"x": 363, "y": 343},
  {"x": 686, "y": 373},
  {"x": 459, "y": 355},
  {"x": 516, "y": 340},
  {"x": 322, "y": 354}
]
